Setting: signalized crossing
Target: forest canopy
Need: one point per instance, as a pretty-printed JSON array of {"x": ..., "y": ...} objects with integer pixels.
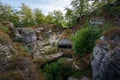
[{"x": 28, "y": 17}]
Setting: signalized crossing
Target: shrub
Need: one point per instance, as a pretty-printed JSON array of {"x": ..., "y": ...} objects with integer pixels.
[
  {"x": 57, "y": 70},
  {"x": 61, "y": 70},
  {"x": 112, "y": 9},
  {"x": 84, "y": 40}
]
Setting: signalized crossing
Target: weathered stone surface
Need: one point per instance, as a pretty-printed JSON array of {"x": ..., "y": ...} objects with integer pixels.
[
  {"x": 105, "y": 59},
  {"x": 12, "y": 65},
  {"x": 28, "y": 37},
  {"x": 64, "y": 43},
  {"x": 72, "y": 78},
  {"x": 117, "y": 21},
  {"x": 9, "y": 24},
  {"x": 97, "y": 21},
  {"x": 19, "y": 68},
  {"x": 53, "y": 40}
]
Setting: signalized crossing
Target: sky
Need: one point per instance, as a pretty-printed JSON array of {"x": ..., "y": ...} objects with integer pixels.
[{"x": 45, "y": 5}]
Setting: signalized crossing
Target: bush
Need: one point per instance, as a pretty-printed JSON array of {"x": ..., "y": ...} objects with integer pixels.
[
  {"x": 84, "y": 40},
  {"x": 61, "y": 70},
  {"x": 112, "y": 9},
  {"x": 57, "y": 70}
]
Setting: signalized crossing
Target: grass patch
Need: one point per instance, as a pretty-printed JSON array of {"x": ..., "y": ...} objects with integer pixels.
[{"x": 4, "y": 29}]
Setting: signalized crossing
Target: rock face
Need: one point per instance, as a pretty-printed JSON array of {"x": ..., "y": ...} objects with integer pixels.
[
  {"x": 4, "y": 54},
  {"x": 18, "y": 68},
  {"x": 29, "y": 38},
  {"x": 97, "y": 21},
  {"x": 106, "y": 57},
  {"x": 117, "y": 21},
  {"x": 10, "y": 24},
  {"x": 12, "y": 65}
]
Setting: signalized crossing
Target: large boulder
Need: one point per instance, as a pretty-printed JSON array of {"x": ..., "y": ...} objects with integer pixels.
[
  {"x": 64, "y": 43},
  {"x": 106, "y": 56}
]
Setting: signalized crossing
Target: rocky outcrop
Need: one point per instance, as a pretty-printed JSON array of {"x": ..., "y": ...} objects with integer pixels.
[
  {"x": 9, "y": 24},
  {"x": 117, "y": 21},
  {"x": 18, "y": 68},
  {"x": 106, "y": 56},
  {"x": 12, "y": 65},
  {"x": 97, "y": 21},
  {"x": 28, "y": 38}
]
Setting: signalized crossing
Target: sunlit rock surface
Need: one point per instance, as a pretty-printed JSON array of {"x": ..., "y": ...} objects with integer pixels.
[
  {"x": 106, "y": 57},
  {"x": 28, "y": 37}
]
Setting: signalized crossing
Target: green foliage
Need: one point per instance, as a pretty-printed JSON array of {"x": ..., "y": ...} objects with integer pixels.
[
  {"x": 113, "y": 9},
  {"x": 70, "y": 18},
  {"x": 80, "y": 7},
  {"x": 51, "y": 50},
  {"x": 27, "y": 50},
  {"x": 7, "y": 13},
  {"x": 50, "y": 18},
  {"x": 39, "y": 16},
  {"x": 27, "y": 15},
  {"x": 84, "y": 40},
  {"x": 58, "y": 17},
  {"x": 4, "y": 29},
  {"x": 56, "y": 70},
  {"x": 81, "y": 73},
  {"x": 105, "y": 27},
  {"x": 60, "y": 70}
]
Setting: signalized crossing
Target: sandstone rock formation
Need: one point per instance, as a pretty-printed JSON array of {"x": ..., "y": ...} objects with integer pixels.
[
  {"x": 97, "y": 21},
  {"x": 106, "y": 56},
  {"x": 9, "y": 24},
  {"x": 117, "y": 21},
  {"x": 28, "y": 37},
  {"x": 12, "y": 65}
]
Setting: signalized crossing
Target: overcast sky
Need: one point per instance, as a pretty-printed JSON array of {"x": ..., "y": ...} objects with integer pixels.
[{"x": 45, "y": 5}]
